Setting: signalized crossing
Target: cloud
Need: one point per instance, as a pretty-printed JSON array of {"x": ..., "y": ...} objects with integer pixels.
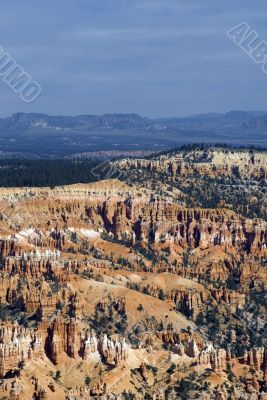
[
  {"x": 156, "y": 57},
  {"x": 143, "y": 33}
]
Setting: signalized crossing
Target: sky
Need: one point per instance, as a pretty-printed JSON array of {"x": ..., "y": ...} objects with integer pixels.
[{"x": 158, "y": 58}]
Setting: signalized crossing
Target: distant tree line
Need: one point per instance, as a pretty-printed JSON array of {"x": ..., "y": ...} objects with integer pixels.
[
  {"x": 207, "y": 146},
  {"x": 50, "y": 173}
]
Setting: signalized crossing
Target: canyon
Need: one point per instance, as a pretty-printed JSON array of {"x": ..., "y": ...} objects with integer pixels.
[{"x": 136, "y": 287}]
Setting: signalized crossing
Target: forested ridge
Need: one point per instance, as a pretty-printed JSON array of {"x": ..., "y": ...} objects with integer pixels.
[{"x": 17, "y": 173}]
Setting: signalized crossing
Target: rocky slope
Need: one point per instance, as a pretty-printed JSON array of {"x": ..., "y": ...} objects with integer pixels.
[{"x": 203, "y": 177}]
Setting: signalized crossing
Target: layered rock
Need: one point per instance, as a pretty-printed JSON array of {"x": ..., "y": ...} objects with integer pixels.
[
  {"x": 236, "y": 300},
  {"x": 17, "y": 346},
  {"x": 63, "y": 337},
  {"x": 153, "y": 220},
  {"x": 113, "y": 351},
  {"x": 215, "y": 359},
  {"x": 207, "y": 162},
  {"x": 94, "y": 261},
  {"x": 191, "y": 299},
  {"x": 256, "y": 358}
]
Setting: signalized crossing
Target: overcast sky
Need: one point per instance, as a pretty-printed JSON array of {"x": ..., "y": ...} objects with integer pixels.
[{"x": 151, "y": 57}]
